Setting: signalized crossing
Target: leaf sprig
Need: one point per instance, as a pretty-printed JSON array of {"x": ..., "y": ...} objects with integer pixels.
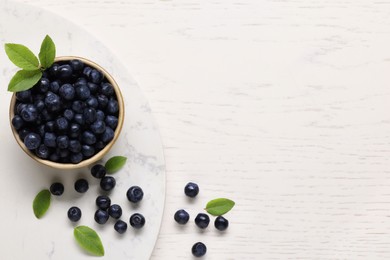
[{"x": 31, "y": 67}]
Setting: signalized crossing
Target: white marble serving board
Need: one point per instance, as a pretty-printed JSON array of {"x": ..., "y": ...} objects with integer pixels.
[{"x": 23, "y": 236}]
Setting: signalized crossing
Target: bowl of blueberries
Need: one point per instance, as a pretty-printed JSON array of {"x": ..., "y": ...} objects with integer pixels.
[{"x": 71, "y": 117}]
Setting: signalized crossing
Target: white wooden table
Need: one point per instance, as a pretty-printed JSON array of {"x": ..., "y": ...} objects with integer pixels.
[{"x": 282, "y": 106}]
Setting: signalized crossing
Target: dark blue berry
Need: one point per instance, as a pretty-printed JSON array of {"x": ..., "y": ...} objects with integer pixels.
[
  {"x": 53, "y": 70},
  {"x": 100, "y": 115},
  {"x": 98, "y": 127},
  {"x": 135, "y": 194},
  {"x": 83, "y": 92},
  {"x": 77, "y": 65},
  {"x": 89, "y": 115},
  {"x": 115, "y": 211},
  {"x": 18, "y": 122},
  {"x": 62, "y": 124},
  {"x": 62, "y": 141},
  {"x": 99, "y": 145},
  {"x": 41, "y": 130},
  {"x": 120, "y": 226},
  {"x": 50, "y": 126},
  {"x": 95, "y": 76},
  {"x": 23, "y": 133},
  {"x": 111, "y": 121},
  {"x": 202, "y": 220},
  {"x": 181, "y": 216},
  {"x": 199, "y": 249},
  {"x": 68, "y": 114},
  {"x": 67, "y": 92},
  {"x": 76, "y": 158},
  {"x": 74, "y": 214},
  {"x": 32, "y": 141},
  {"x": 65, "y": 71},
  {"x": 54, "y": 157},
  {"x": 74, "y": 146},
  {"x": 39, "y": 104},
  {"x": 42, "y": 151},
  {"x": 81, "y": 81},
  {"x": 103, "y": 202},
  {"x": 102, "y": 100},
  {"x": 78, "y": 106},
  {"x": 98, "y": 171},
  {"x": 112, "y": 107},
  {"x": 107, "y": 135},
  {"x": 137, "y": 221},
  {"x": 20, "y": 107},
  {"x": 24, "y": 96},
  {"x": 107, "y": 183},
  {"x": 101, "y": 216},
  {"x": 74, "y": 130},
  {"x": 92, "y": 102},
  {"x": 81, "y": 186},
  {"x": 49, "y": 139},
  {"x": 29, "y": 113},
  {"x": 46, "y": 115},
  {"x": 79, "y": 119},
  {"x": 191, "y": 189},
  {"x": 43, "y": 85},
  {"x": 221, "y": 223},
  {"x": 87, "y": 151},
  {"x": 62, "y": 153},
  {"x": 52, "y": 102},
  {"x": 107, "y": 89},
  {"x": 93, "y": 87},
  {"x": 57, "y": 189},
  {"x": 88, "y": 137},
  {"x": 55, "y": 86},
  {"x": 87, "y": 71}
]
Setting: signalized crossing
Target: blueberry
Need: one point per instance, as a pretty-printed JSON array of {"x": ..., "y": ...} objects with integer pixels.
[
  {"x": 83, "y": 92},
  {"x": 98, "y": 171},
  {"x": 42, "y": 151},
  {"x": 52, "y": 102},
  {"x": 39, "y": 104},
  {"x": 79, "y": 119},
  {"x": 181, "y": 216},
  {"x": 88, "y": 137},
  {"x": 32, "y": 141},
  {"x": 81, "y": 81},
  {"x": 202, "y": 220},
  {"x": 62, "y": 141},
  {"x": 102, "y": 100},
  {"x": 99, "y": 145},
  {"x": 74, "y": 146},
  {"x": 78, "y": 106},
  {"x": 67, "y": 92},
  {"x": 23, "y": 133},
  {"x": 199, "y": 249},
  {"x": 103, "y": 202},
  {"x": 41, "y": 130},
  {"x": 62, "y": 153},
  {"x": 115, "y": 211},
  {"x": 112, "y": 107},
  {"x": 74, "y": 214},
  {"x": 89, "y": 115},
  {"x": 18, "y": 122},
  {"x": 87, "y": 71},
  {"x": 107, "y": 135},
  {"x": 92, "y": 102},
  {"x": 77, "y": 65},
  {"x": 68, "y": 114},
  {"x": 100, "y": 115},
  {"x": 55, "y": 86},
  {"x": 87, "y": 151},
  {"x": 46, "y": 115},
  {"x": 29, "y": 113},
  {"x": 43, "y": 85},
  {"x": 62, "y": 124},
  {"x": 65, "y": 71},
  {"x": 135, "y": 194},
  {"x": 221, "y": 223},
  {"x": 74, "y": 130},
  {"x": 93, "y": 87},
  {"x": 111, "y": 121},
  {"x": 76, "y": 158},
  {"x": 107, "y": 89},
  {"x": 50, "y": 126},
  {"x": 98, "y": 127},
  {"x": 191, "y": 189},
  {"x": 54, "y": 157},
  {"x": 57, "y": 189},
  {"x": 137, "y": 220},
  {"x": 95, "y": 76},
  {"x": 81, "y": 186},
  {"x": 120, "y": 226},
  {"x": 20, "y": 107},
  {"x": 53, "y": 70},
  {"x": 101, "y": 216},
  {"x": 107, "y": 183},
  {"x": 23, "y": 96}
]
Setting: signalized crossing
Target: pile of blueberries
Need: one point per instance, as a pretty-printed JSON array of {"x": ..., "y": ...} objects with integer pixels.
[
  {"x": 69, "y": 115},
  {"x": 104, "y": 207},
  {"x": 202, "y": 220}
]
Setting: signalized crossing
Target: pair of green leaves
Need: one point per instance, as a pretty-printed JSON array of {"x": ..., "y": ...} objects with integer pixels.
[{"x": 31, "y": 67}]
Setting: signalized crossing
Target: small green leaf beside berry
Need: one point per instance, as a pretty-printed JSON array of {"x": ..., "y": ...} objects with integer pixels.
[
  {"x": 115, "y": 163},
  {"x": 89, "y": 240},
  {"x": 24, "y": 79},
  {"x": 218, "y": 207},
  {"x": 41, "y": 203},
  {"x": 47, "y": 53},
  {"x": 21, "y": 56}
]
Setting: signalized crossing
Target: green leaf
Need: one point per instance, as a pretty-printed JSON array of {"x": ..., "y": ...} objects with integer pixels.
[
  {"x": 115, "y": 163},
  {"x": 21, "y": 56},
  {"x": 219, "y": 207},
  {"x": 89, "y": 240},
  {"x": 41, "y": 203},
  {"x": 24, "y": 79},
  {"x": 47, "y": 52}
]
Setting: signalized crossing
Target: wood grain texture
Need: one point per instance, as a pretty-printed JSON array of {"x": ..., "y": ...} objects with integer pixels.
[{"x": 282, "y": 106}]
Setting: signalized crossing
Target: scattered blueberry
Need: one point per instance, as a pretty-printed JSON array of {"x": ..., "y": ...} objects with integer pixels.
[
  {"x": 74, "y": 214},
  {"x": 57, "y": 189},
  {"x": 81, "y": 186},
  {"x": 202, "y": 220},
  {"x": 137, "y": 221},
  {"x": 199, "y": 249},
  {"x": 221, "y": 223},
  {"x": 115, "y": 211},
  {"x": 181, "y": 216},
  {"x": 107, "y": 183},
  {"x": 120, "y": 226},
  {"x": 191, "y": 189},
  {"x": 101, "y": 216},
  {"x": 103, "y": 202},
  {"x": 98, "y": 171},
  {"x": 135, "y": 194}
]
